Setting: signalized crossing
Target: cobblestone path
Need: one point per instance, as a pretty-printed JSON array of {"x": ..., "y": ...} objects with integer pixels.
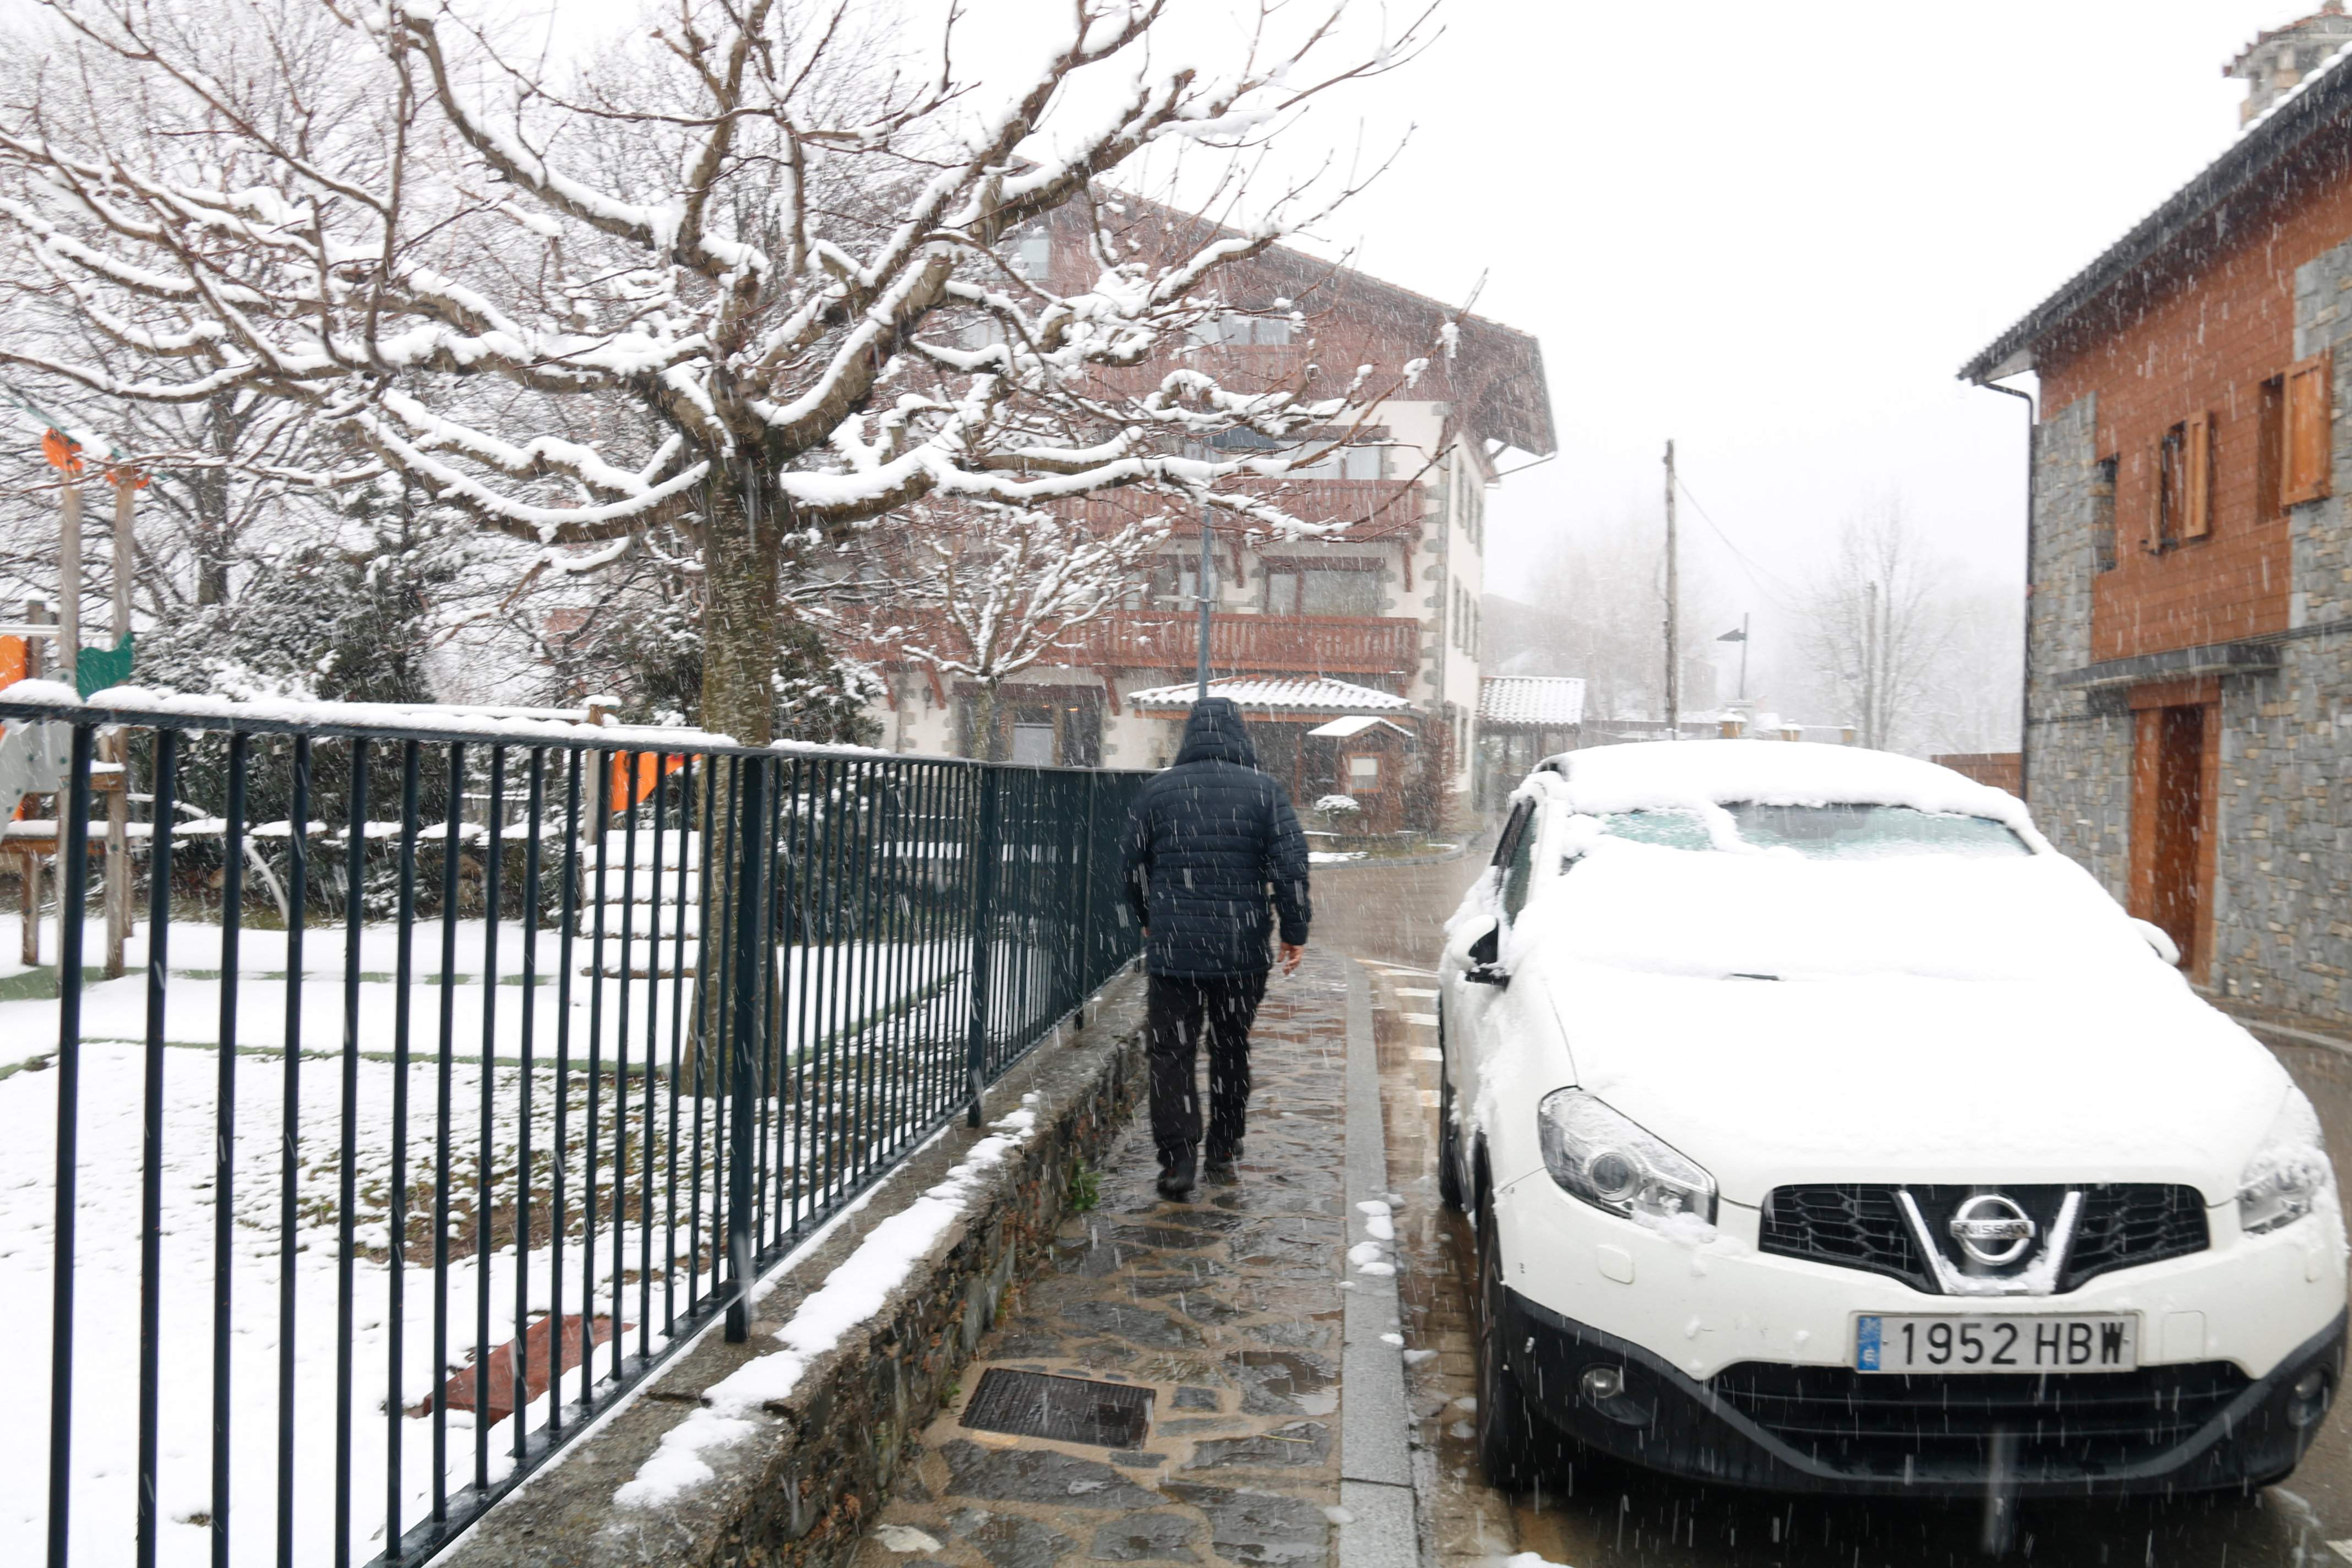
[{"x": 1227, "y": 1309}]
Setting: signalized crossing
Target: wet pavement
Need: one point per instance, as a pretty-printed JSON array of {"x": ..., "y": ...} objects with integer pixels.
[{"x": 1227, "y": 1309}]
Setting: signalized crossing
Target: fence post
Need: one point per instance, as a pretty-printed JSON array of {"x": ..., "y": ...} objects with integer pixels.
[
  {"x": 984, "y": 919},
  {"x": 746, "y": 909},
  {"x": 1085, "y": 945}
]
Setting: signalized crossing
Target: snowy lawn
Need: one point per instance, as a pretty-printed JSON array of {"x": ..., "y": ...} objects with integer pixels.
[{"x": 875, "y": 1044}]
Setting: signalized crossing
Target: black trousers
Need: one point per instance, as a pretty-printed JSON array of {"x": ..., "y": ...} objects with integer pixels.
[{"x": 1176, "y": 1013}]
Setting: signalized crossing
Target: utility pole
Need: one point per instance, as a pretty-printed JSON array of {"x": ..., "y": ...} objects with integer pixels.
[
  {"x": 1208, "y": 591},
  {"x": 1870, "y": 666},
  {"x": 1743, "y": 656},
  {"x": 1673, "y": 607}
]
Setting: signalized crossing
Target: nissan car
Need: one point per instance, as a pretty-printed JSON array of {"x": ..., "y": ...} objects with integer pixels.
[{"x": 1826, "y": 1130}]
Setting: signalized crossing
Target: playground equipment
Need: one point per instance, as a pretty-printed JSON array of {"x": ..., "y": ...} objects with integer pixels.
[{"x": 87, "y": 669}]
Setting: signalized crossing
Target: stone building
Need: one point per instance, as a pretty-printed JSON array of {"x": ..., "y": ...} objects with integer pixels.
[
  {"x": 1377, "y": 619},
  {"x": 2189, "y": 689}
]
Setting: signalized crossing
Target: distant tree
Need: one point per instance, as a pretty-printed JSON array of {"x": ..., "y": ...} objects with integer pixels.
[
  {"x": 1879, "y": 626},
  {"x": 1595, "y": 607}
]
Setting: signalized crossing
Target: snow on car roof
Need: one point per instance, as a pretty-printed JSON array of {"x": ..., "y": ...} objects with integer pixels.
[{"x": 1650, "y": 775}]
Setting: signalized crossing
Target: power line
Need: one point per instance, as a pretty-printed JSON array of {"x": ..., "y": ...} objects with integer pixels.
[{"x": 1762, "y": 579}]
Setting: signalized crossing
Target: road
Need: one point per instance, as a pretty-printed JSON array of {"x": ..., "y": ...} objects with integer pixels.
[{"x": 1391, "y": 918}]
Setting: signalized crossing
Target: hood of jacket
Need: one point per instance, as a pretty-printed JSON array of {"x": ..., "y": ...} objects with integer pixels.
[{"x": 1215, "y": 733}]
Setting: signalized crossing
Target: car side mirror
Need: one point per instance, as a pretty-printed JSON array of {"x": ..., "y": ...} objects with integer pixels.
[
  {"x": 1486, "y": 960},
  {"x": 2161, "y": 940}
]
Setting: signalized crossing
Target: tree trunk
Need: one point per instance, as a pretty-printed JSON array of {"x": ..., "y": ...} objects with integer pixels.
[
  {"x": 741, "y": 557},
  {"x": 739, "y": 561},
  {"x": 987, "y": 739}
]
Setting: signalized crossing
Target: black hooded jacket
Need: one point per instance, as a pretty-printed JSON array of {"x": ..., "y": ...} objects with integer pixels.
[{"x": 1205, "y": 841}]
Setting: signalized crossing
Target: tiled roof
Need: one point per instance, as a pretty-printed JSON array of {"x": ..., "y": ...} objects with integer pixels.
[
  {"x": 1549, "y": 701},
  {"x": 1322, "y": 695}
]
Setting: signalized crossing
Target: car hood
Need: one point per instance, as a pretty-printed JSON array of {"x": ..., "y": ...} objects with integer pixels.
[
  {"x": 1922, "y": 1079},
  {"x": 1938, "y": 1020}
]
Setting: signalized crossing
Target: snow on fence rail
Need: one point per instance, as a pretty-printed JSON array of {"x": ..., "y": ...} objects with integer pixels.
[{"x": 417, "y": 1138}]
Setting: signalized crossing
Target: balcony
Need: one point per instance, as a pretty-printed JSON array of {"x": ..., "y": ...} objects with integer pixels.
[
  {"x": 1257, "y": 645},
  {"x": 1371, "y": 509}
]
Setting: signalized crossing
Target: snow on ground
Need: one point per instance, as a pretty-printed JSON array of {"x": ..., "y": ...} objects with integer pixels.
[{"x": 846, "y": 1103}]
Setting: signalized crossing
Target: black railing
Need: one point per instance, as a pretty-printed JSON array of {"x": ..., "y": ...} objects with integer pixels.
[{"x": 412, "y": 1207}]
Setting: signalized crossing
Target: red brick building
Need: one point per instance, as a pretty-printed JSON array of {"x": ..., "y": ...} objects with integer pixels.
[{"x": 2190, "y": 633}]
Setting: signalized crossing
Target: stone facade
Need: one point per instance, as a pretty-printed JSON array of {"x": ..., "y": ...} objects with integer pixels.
[
  {"x": 2280, "y": 897},
  {"x": 2077, "y": 752}
]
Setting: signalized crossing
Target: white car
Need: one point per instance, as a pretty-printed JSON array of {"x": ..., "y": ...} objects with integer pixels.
[{"x": 1826, "y": 1130}]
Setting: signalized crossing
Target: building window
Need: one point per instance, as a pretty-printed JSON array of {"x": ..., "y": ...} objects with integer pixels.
[
  {"x": 1032, "y": 252},
  {"x": 1342, "y": 463},
  {"x": 1174, "y": 584},
  {"x": 1233, "y": 326},
  {"x": 1363, "y": 773},
  {"x": 2171, "y": 488},
  {"x": 2270, "y": 449},
  {"x": 1292, "y": 589},
  {"x": 2310, "y": 407},
  {"x": 2103, "y": 515}
]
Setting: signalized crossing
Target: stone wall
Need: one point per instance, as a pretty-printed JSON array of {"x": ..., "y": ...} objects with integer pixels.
[
  {"x": 797, "y": 1489},
  {"x": 2282, "y": 894},
  {"x": 2282, "y": 875},
  {"x": 2282, "y": 878},
  {"x": 2077, "y": 748}
]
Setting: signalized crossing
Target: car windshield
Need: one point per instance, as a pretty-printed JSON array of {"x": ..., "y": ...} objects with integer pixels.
[{"x": 1826, "y": 832}]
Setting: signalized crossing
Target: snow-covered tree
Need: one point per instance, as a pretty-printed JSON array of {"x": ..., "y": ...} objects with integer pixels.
[
  {"x": 744, "y": 279},
  {"x": 999, "y": 589}
]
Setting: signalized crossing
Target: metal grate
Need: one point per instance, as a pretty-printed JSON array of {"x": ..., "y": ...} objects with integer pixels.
[
  {"x": 1062, "y": 1409},
  {"x": 1942, "y": 1427}
]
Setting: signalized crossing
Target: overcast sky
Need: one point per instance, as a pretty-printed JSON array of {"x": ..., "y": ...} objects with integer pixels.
[
  {"x": 1771, "y": 232},
  {"x": 1775, "y": 232}
]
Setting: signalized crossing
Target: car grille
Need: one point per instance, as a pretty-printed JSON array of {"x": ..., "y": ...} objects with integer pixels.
[
  {"x": 1857, "y": 1226},
  {"x": 2124, "y": 1226},
  {"x": 1942, "y": 1427},
  {"x": 1860, "y": 1226}
]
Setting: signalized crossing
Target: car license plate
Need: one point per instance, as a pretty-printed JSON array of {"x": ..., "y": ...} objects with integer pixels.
[{"x": 2091, "y": 1343}]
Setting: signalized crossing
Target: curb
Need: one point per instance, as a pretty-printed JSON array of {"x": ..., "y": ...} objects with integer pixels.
[
  {"x": 1376, "y": 1489},
  {"x": 1459, "y": 851}
]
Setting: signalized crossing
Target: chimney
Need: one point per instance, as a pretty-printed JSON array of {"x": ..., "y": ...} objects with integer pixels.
[{"x": 2276, "y": 61}]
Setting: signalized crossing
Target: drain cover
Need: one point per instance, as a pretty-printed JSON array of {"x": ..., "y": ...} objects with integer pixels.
[{"x": 1065, "y": 1409}]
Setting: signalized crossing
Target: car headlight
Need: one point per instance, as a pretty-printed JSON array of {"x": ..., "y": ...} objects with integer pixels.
[
  {"x": 1612, "y": 1164},
  {"x": 2288, "y": 1173}
]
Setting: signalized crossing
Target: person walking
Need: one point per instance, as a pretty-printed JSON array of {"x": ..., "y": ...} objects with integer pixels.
[{"x": 1206, "y": 842}]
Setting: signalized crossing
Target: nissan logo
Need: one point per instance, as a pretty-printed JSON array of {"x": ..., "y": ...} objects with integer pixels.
[{"x": 1992, "y": 1229}]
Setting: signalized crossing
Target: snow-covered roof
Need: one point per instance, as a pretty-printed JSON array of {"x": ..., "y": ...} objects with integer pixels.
[
  {"x": 1538, "y": 700},
  {"x": 1320, "y": 695},
  {"x": 1340, "y": 728},
  {"x": 1774, "y": 772}
]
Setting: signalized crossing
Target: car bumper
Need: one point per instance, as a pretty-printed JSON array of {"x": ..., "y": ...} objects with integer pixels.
[{"x": 2198, "y": 1428}]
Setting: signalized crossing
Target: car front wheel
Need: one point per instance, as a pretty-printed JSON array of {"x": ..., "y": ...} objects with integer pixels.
[
  {"x": 1449, "y": 1139},
  {"x": 1508, "y": 1428}
]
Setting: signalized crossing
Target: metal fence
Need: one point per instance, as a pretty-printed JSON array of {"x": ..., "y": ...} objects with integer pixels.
[{"x": 422, "y": 1138}]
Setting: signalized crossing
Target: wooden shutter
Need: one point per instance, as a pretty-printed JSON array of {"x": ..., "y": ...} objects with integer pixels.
[
  {"x": 2310, "y": 407},
  {"x": 2197, "y": 506}
]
